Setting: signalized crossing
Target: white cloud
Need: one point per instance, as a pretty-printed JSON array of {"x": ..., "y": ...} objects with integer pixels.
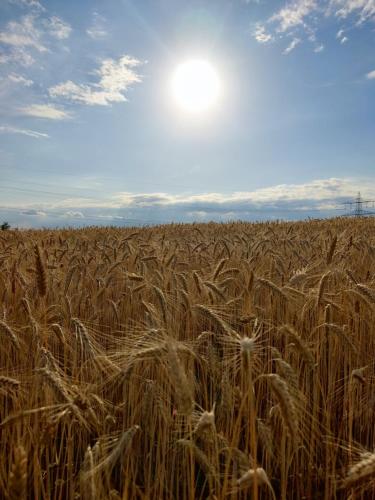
[
  {"x": 34, "y": 212},
  {"x": 363, "y": 9},
  {"x": 73, "y": 214},
  {"x": 319, "y": 48},
  {"x": 96, "y": 33},
  {"x": 19, "y": 56},
  {"x": 371, "y": 75},
  {"x": 341, "y": 37},
  {"x": 98, "y": 28},
  {"x": 29, "y": 35},
  {"x": 32, "y": 4},
  {"x": 304, "y": 17},
  {"x": 293, "y": 44},
  {"x": 203, "y": 216},
  {"x": 115, "y": 77},
  {"x": 198, "y": 214},
  {"x": 314, "y": 191},
  {"x": 57, "y": 28},
  {"x": 45, "y": 111},
  {"x": 318, "y": 198},
  {"x": 15, "y": 78},
  {"x": 23, "y": 34},
  {"x": 261, "y": 35},
  {"x": 7, "y": 129},
  {"x": 293, "y": 14}
]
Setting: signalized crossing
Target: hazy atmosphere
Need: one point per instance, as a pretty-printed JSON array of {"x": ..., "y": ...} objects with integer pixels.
[{"x": 100, "y": 123}]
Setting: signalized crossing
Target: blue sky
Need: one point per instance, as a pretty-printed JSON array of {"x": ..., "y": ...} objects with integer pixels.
[{"x": 90, "y": 133}]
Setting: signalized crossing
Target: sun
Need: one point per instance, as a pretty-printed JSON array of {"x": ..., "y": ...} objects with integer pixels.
[{"x": 195, "y": 86}]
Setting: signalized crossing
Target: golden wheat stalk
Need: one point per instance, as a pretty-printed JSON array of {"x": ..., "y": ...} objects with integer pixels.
[
  {"x": 41, "y": 275},
  {"x": 17, "y": 489}
]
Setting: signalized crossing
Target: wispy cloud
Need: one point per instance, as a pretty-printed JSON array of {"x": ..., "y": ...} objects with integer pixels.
[
  {"x": 293, "y": 14},
  {"x": 260, "y": 34},
  {"x": 371, "y": 75},
  {"x": 363, "y": 9},
  {"x": 98, "y": 28},
  {"x": 47, "y": 111},
  {"x": 293, "y": 44},
  {"x": 305, "y": 17},
  {"x": 319, "y": 48},
  {"x": 23, "y": 34},
  {"x": 115, "y": 77},
  {"x": 57, "y": 28},
  {"x": 341, "y": 36},
  {"x": 7, "y": 129},
  {"x": 17, "y": 55},
  {"x": 30, "y": 4},
  {"x": 31, "y": 35},
  {"x": 19, "y": 79},
  {"x": 73, "y": 214},
  {"x": 34, "y": 212}
]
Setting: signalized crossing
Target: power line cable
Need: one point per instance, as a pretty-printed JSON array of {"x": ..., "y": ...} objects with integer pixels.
[{"x": 359, "y": 207}]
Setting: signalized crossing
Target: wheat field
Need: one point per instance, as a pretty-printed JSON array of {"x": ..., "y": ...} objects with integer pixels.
[{"x": 203, "y": 361}]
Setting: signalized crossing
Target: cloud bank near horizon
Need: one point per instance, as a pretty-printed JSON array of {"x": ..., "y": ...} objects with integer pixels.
[{"x": 318, "y": 198}]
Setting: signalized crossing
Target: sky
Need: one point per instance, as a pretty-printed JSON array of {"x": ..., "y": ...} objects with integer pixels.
[{"x": 91, "y": 133}]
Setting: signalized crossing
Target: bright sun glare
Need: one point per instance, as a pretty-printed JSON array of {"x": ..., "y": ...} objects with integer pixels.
[{"x": 195, "y": 86}]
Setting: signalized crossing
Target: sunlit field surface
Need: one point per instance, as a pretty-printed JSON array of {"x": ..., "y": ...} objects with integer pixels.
[{"x": 216, "y": 361}]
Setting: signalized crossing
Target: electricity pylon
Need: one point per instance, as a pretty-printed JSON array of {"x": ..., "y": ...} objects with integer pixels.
[{"x": 359, "y": 207}]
